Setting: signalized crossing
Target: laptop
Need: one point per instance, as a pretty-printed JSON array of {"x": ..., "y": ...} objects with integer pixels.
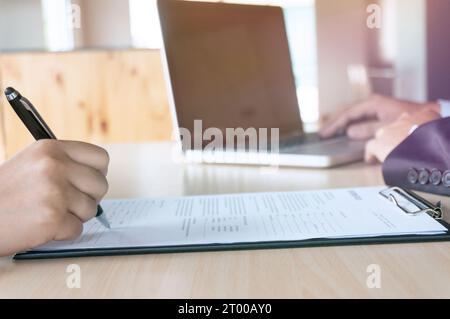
[{"x": 228, "y": 67}]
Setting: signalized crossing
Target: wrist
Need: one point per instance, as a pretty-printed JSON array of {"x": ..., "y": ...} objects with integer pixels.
[{"x": 435, "y": 107}]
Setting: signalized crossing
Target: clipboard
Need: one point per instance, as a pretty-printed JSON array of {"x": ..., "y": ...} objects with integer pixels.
[{"x": 402, "y": 198}]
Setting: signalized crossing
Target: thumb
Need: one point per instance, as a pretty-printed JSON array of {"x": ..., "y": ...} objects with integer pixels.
[{"x": 370, "y": 156}]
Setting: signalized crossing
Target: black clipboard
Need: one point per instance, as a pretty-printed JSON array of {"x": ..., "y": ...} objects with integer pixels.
[{"x": 393, "y": 194}]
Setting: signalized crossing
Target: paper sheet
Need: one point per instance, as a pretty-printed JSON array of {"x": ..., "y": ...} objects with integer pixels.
[{"x": 246, "y": 218}]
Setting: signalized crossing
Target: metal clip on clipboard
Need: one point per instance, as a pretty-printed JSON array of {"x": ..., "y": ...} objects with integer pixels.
[{"x": 422, "y": 205}]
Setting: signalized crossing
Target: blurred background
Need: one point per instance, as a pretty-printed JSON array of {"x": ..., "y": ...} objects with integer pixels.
[{"x": 93, "y": 69}]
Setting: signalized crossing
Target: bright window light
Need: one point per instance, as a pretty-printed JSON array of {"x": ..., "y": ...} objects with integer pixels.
[
  {"x": 145, "y": 27},
  {"x": 58, "y": 25},
  {"x": 301, "y": 30}
]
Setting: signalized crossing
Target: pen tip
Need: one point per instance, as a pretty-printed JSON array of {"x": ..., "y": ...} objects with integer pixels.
[
  {"x": 104, "y": 221},
  {"x": 11, "y": 93},
  {"x": 9, "y": 90}
]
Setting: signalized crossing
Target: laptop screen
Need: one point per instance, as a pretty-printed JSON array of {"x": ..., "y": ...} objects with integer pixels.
[{"x": 230, "y": 66}]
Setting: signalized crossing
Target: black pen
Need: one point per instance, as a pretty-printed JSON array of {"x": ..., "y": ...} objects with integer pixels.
[{"x": 39, "y": 129}]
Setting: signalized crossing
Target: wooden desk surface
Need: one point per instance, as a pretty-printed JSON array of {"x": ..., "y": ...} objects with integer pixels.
[{"x": 407, "y": 270}]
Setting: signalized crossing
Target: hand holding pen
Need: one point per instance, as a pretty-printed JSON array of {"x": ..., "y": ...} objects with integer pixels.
[{"x": 87, "y": 162}]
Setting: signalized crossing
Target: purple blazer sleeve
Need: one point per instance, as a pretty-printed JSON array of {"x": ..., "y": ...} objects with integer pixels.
[{"x": 422, "y": 161}]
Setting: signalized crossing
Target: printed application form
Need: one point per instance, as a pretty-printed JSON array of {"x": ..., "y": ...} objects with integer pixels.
[{"x": 249, "y": 218}]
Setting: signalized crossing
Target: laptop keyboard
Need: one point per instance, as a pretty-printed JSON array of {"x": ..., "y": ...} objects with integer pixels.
[
  {"x": 299, "y": 140},
  {"x": 316, "y": 146}
]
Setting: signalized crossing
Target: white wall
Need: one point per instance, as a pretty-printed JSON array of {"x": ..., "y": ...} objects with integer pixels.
[
  {"x": 105, "y": 23},
  {"x": 21, "y": 25}
]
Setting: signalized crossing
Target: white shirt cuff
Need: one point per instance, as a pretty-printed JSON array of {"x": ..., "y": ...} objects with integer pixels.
[{"x": 445, "y": 108}]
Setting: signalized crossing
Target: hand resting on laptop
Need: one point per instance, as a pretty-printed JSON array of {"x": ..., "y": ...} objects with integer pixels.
[{"x": 384, "y": 121}]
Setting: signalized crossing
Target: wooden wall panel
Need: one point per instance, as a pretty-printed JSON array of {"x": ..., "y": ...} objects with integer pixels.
[{"x": 94, "y": 96}]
